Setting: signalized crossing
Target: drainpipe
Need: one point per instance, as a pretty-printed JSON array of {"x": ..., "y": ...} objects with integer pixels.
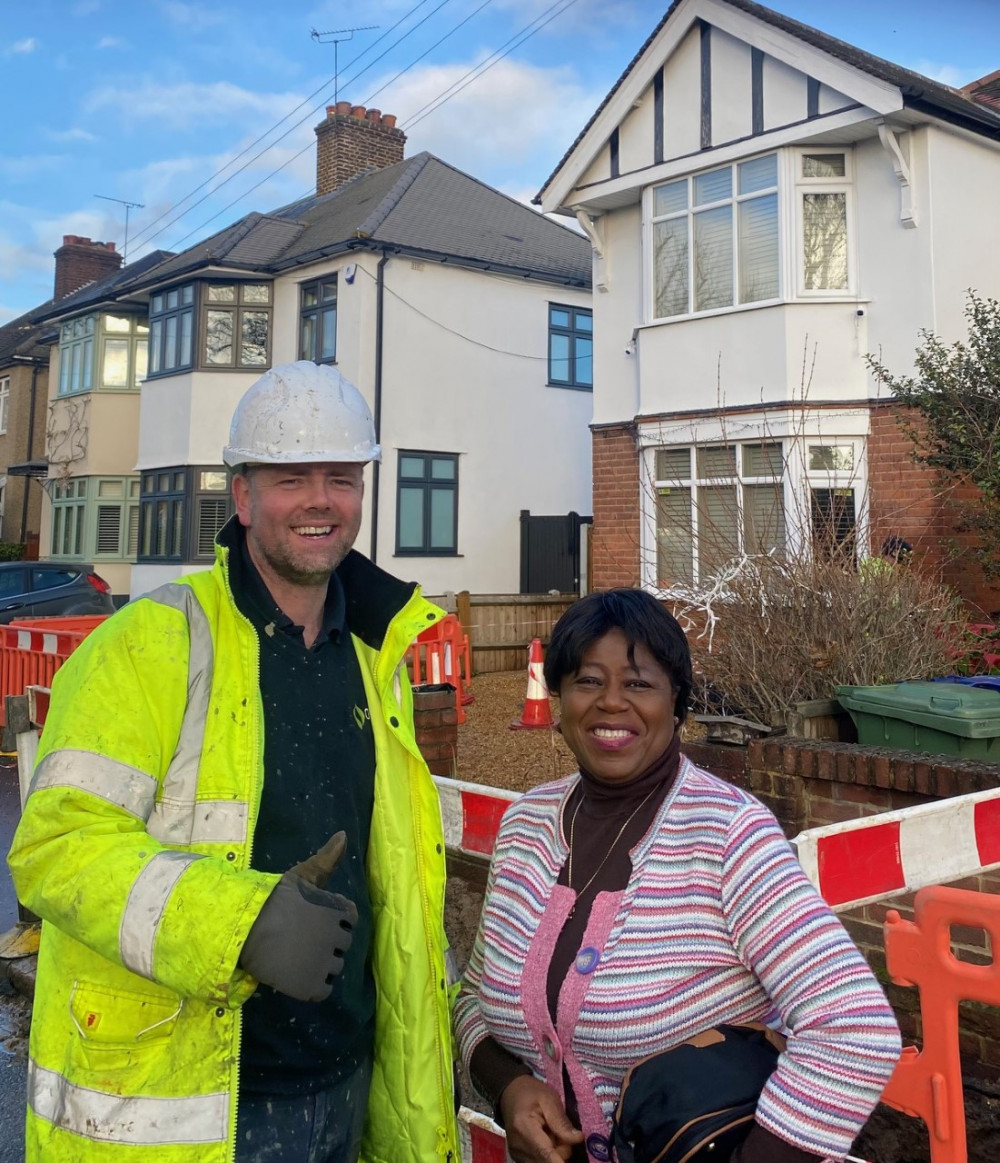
[
  {"x": 377, "y": 410},
  {"x": 31, "y": 440}
]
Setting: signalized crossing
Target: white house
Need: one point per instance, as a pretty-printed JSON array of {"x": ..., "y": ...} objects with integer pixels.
[
  {"x": 462, "y": 315},
  {"x": 767, "y": 205}
]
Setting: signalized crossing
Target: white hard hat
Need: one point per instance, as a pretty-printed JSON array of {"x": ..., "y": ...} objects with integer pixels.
[{"x": 299, "y": 413}]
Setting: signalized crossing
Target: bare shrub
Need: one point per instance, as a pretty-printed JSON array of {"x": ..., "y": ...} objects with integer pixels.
[{"x": 788, "y": 630}]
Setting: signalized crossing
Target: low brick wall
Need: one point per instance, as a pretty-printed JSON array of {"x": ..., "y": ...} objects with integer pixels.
[
  {"x": 435, "y": 719},
  {"x": 808, "y": 784}
]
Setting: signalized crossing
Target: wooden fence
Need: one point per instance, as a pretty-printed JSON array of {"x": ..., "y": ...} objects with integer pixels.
[{"x": 501, "y": 626}]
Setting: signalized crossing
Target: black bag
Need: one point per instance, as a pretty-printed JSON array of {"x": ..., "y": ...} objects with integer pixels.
[{"x": 694, "y": 1102}]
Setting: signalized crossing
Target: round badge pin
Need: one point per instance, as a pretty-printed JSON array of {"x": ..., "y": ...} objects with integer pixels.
[{"x": 587, "y": 959}]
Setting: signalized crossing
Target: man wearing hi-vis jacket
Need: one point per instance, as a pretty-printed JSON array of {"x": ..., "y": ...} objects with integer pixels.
[{"x": 236, "y": 846}]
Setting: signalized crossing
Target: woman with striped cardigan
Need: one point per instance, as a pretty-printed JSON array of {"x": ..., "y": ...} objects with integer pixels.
[{"x": 643, "y": 900}]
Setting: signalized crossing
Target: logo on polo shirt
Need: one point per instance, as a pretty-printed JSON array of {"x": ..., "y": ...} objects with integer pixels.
[{"x": 360, "y": 715}]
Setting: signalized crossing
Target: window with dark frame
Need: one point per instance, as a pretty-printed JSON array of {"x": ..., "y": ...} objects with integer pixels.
[
  {"x": 427, "y": 504},
  {"x": 571, "y": 347},
  {"x": 318, "y": 321},
  {"x": 182, "y": 510},
  {"x": 171, "y": 330},
  {"x": 236, "y": 325},
  {"x": 161, "y": 518}
]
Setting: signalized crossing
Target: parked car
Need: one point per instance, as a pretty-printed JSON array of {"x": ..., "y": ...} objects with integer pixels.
[{"x": 40, "y": 589}]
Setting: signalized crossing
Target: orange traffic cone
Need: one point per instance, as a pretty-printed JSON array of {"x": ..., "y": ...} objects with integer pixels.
[{"x": 536, "y": 711}]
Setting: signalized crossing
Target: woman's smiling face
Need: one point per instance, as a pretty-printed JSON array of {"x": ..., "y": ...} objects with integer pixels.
[{"x": 616, "y": 713}]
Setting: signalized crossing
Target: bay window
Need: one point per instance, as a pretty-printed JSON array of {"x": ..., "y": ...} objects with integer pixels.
[{"x": 715, "y": 239}]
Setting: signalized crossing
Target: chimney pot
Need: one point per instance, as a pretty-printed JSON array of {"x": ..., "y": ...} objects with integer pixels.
[
  {"x": 389, "y": 120},
  {"x": 342, "y": 108},
  {"x": 358, "y": 111},
  {"x": 330, "y": 110},
  {"x": 373, "y": 115}
]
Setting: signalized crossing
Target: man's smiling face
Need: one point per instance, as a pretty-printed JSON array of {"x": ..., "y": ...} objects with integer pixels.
[{"x": 301, "y": 519}]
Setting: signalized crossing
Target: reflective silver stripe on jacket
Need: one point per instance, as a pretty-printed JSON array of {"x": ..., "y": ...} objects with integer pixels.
[
  {"x": 111, "y": 1118},
  {"x": 179, "y": 817},
  {"x": 144, "y": 909},
  {"x": 126, "y": 787}
]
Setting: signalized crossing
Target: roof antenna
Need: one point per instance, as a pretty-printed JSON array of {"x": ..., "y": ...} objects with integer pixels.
[
  {"x": 335, "y": 37},
  {"x": 128, "y": 206}
]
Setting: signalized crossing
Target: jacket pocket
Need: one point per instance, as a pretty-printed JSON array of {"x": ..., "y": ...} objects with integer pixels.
[{"x": 117, "y": 1028}]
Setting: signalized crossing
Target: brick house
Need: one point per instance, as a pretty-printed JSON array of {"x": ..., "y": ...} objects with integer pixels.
[
  {"x": 766, "y": 206},
  {"x": 462, "y": 315}
]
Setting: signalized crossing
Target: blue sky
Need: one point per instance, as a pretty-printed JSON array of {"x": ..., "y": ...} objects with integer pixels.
[{"x": 147, "y": 100}]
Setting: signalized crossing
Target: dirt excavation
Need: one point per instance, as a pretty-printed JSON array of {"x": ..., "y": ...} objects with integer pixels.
[{"x": 490, "y": 753}]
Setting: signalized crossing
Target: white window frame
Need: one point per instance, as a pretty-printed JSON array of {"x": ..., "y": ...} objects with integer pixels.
[
  {"x": 4, "y": 404},
  {"x": 836, "y": 185},
  {"x": 796, "y": 435}
]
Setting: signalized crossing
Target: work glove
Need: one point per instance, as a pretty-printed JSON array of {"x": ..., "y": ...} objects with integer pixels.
[{"x": 298, "y": 941}]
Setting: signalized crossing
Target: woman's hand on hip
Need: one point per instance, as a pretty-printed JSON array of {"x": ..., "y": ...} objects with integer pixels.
[{"x": 538, "y": 1130}]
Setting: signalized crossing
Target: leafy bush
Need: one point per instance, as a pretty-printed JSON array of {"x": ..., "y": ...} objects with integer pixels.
[{"x": 11, "y": 551}]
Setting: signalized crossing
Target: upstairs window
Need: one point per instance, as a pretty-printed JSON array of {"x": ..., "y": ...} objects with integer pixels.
[
  {"x": 171, "y": 330},
  {"x": 237, "y": 325},
  {"x": 823, "y": 186},
  {"x": 318, "y": 321},
  {"x": 76, "y": 355},
  {"x": 210, "y": 325},
  {"x": 427, "y": 504},
  {"x": 122, "y": 347},
  {"x": 4, "y": 402},
  {"x": 571, "y": 347},
  {"x": 715, "y": 239}
]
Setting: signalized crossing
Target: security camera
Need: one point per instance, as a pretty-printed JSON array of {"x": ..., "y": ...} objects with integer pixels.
[{"x": 860, "y": 312}]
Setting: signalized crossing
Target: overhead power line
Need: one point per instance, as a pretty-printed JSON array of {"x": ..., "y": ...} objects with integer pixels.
[
  {"x": 144, "y": 234},
  {"x": 519, "y": 38}
]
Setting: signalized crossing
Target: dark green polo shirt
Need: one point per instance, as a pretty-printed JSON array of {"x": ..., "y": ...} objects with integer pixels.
[{"x": 319, "y": 778}]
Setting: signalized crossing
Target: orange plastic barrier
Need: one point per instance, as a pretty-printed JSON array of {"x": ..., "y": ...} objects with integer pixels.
[
  {"x": 927, "y": 1083},
  {"x": 32, "y": 650},
  {"x": 441, "y": 654}
]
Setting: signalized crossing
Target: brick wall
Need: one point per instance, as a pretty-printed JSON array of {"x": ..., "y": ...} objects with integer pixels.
[
  {"x": 353, "y": 139},
  {"x": 435, "y": 718},
  {"x": 809, "y": 784},
  {"x": 80, "y": 261},
  {"x": 615, "y": 531},
  {"x": 906, "y": 498},
  {"x": 14, "y": 450}
]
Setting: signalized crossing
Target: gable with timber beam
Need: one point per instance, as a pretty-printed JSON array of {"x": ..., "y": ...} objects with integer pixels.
[{"x": 714, "y": 82}]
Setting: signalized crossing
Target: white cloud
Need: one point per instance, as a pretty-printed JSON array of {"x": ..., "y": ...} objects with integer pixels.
[
  {"x": 515, "y": 120},
  {"x": 28, "y": 169},
  {"x": 111, "y": 42},
  {"x": 189, "y": 104},
  {"x": 954, "y": 75},
  {"x": 28, "y": 45},
  {"x": 194, "y": 16},
  {"x": 69, "y": 135}
]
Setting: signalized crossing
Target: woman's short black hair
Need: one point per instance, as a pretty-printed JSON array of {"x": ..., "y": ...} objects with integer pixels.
[{"x": 641, "y": 618}]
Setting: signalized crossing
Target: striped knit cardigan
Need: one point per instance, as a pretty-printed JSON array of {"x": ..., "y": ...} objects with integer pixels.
[{"x": 718, "y": 923}]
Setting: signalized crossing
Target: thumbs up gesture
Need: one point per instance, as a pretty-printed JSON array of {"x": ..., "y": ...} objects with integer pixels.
[{"x": 298, "y": 941}]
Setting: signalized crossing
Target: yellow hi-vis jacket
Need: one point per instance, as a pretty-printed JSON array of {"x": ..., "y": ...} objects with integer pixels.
[{"x": 135, "y": 849}]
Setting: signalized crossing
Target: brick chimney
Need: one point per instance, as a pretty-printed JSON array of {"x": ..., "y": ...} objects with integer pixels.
[
  {"x": 985, "y": 91},
  {"x": 80, "y": 261},
  {"x": 353, "y": 139}
]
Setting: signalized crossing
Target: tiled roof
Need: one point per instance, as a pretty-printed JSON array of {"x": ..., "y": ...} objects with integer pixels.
[
  {"x": 103, "y": 289},
  {"x": 919, "y": 92},
  {"x": 22, "y": 337},
  {"x": 421, "y": 204}
]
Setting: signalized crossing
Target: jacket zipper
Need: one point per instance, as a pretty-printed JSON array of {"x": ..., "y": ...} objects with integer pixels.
[{"x": 251, "y": 825}]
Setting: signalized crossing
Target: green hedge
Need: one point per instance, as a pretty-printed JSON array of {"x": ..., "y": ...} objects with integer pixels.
[{"x": 11, "y": 551}]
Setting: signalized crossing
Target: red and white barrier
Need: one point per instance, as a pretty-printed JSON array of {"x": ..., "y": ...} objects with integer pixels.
[
  {"x": 471, "y": 815},
  {"x": 875, "y": 857}
]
